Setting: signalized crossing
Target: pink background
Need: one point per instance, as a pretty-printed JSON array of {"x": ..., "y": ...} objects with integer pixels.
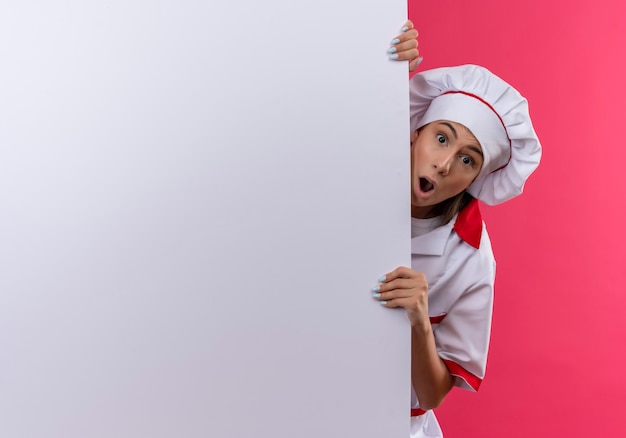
[{"x": 555, "y": 365}]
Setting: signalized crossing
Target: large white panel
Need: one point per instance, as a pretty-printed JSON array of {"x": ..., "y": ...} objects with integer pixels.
[{"x": 195, "y": 200}]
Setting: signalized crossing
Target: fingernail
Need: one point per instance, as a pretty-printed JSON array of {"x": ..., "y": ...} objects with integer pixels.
[
  {"x": 376, "y": 296},
  {"x": 392, "y": 50},
  {"x": 376, "y": 289},
  {"x": 382, "y": 279},
  {"x": 419, "y": 61},
  {"x": 394, "y": 56},
  {"x": 395, "y": 41},
  {"x": 404, "y": 29},
  {"x": 382, "y": 303}
]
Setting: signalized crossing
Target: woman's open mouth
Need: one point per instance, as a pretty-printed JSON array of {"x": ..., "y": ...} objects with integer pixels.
[{"x": 425, "y": 185}]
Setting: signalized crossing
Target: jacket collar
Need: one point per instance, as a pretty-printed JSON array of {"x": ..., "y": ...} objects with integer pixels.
[{"x": 468, "y": 225}]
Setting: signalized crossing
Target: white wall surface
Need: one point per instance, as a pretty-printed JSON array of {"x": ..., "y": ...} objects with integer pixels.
[{"x": 195, "y": 200}]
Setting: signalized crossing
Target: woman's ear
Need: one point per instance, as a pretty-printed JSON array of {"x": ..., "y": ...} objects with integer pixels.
[{"x": 414, "y": 136}]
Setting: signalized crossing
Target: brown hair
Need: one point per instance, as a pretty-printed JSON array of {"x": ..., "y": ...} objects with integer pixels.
[{"x": 451, "y": 206}]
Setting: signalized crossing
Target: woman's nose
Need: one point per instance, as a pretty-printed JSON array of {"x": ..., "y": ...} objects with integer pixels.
[{"x": 443, "y": 163}]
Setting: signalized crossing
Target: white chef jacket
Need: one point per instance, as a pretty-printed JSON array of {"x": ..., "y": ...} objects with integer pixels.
[{"x": 459, "y": 265}]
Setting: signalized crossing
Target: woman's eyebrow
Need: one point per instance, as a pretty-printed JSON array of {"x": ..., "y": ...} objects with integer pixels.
[
  {"x": 451, "y": 129},
  {"x": 471, "y": 147},
  {"x": 476, "y": 149}
]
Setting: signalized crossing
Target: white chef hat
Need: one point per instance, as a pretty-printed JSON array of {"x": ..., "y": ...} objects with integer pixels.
[{"x": 494, "y": 112}]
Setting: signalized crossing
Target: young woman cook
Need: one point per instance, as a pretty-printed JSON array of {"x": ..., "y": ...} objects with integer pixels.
[{"x": 471, "y": 139}]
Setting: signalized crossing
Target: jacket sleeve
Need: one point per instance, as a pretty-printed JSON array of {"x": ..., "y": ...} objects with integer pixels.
[{"x": 462, "y": 337}]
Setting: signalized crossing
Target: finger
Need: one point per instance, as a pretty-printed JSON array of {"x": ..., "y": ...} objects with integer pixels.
[
  {"x": 399, "y": 283},
  {"x": 411, "y": 34},
  {"x": 399, "y": 272},
  {"x": 406, "y": 45},
  {"x": 383, "y": 297},
  {"x": 406, "y": 303},
  {"x": 401, "y": 288},
  {"x": 394, "y": 303},
  {"x": 398, "y": 294},
  {"x": 409, "y": 47},
  {"x": 408, "y": 25},
  {"x": 407, "y": 55},
  {"x": 414, "y": 63}
]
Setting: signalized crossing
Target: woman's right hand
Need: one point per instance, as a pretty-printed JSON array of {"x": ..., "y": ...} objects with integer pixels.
[
  {"x": 406, "y": 288},
  {"x": 404, "y": 47}
]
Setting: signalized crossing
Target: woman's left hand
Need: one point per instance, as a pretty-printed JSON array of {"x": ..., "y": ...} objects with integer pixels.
[
  {"x": 404, "y": 47},
  {"x": 406, "y": 288}
]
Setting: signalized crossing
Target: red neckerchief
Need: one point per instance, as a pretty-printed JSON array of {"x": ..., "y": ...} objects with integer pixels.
[{"x": 469, "y": 224}]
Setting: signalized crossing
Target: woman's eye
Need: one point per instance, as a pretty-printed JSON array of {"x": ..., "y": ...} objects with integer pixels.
[
  {"x": 441, "y": 138},
  {"x": 467, "y": 160}
]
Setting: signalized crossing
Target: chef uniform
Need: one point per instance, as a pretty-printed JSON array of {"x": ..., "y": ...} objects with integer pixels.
[{"x": 457, "y": 258}]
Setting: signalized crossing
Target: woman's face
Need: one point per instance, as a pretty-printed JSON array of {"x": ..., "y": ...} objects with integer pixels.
[{"x": 445, "y": 160}]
